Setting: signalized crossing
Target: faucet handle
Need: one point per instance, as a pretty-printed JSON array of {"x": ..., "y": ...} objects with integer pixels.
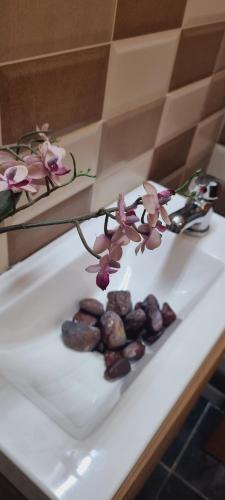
[{"x": 207, "y": 188}]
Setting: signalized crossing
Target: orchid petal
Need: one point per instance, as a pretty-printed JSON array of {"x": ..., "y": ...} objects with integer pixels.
[
  {"x": 101, "y": 244},
  {"x": 132, "y": 234},
  {"x": 160, "y": 227},
  {"x": 153, "y": 218},
  {"x": 121, "y": 208},
  {"x": 102, "y": 279},
  {"x": 150, "y": 204},
  {"x": 150, "y": 189},
  {"x": 29, "y": 188},
  {"x": 154, "y": 240},
  {"x": 118, "y": 234},
  {"x": 143, "y": 228},
  {"x": 3, "y": 185},
  {"x": 20, "y": 174},
  {"x": 94, "y": 268},
  {"x": 116, "y": 253},
  {"x": 165, "y": 215}
]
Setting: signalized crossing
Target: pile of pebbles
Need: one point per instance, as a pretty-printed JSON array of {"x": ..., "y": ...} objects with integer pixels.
[{"x": 119, "y": 333}]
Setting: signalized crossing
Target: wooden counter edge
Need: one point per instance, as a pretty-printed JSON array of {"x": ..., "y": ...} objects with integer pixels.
[{"x": 171, "y": 425}]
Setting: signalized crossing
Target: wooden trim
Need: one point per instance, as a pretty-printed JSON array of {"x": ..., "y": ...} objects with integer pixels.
[{"x": 171, "y": 425}]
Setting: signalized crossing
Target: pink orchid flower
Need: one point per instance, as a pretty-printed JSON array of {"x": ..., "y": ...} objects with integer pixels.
[
  {"x": 126, "y": 221},
  {"x": 151, "y": 237},
  {"x": 107, "y": 265},
  {"x": 153, "y": 203},
  {"x": 16, "y": 179},
  {"x": 52, "y": 157}
]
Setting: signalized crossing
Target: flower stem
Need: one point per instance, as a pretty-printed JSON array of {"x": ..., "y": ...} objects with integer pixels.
[
  {"x": 185, "y": 185},
  {"x": 79, "y": 230}
]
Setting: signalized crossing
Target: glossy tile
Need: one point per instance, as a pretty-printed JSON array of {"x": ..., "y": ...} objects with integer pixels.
[
  {"x": 133, "y": 173},
  {"x": 8, "y": 491},
  {"x": 84, "y": 144},
  {"x": 66, "y": 91},
  {"x": 176, "y": 489},
  {"x": 198, "y": 162},
  {"x": 128, "y": 136},
  {"x": 222, "y": 136},
  {"x": 200, "y": 469},
  {"x": 4, "y": 252},
  {"x": 216, "y": 95},
  {"x": 196, "y": 55},
  {"x": 153, "y": 484},
  {"x": 139, "y": 71},
  {"x": 171, "y": 155},
  {"x": 182, "y": 109},
  {"x": 179, "y": 442},
  {"x": 147, "y": 16},
  {"x": 206, "y": 135},
  {"x": 67, "y": 25},
  {"x": 220, "y": 62},
  {"x": 21, "y": 244},
  {"x": 204, "y": 11}
]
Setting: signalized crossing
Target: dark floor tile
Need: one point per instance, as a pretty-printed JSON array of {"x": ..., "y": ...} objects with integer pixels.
[
  {"x": 200, "y": 469},
  {"x": 176, "y": 490},
  {"x": 153, "y": 484},
  {"x": 8, "y": 491},
  {"x": 179, "y": 442}
]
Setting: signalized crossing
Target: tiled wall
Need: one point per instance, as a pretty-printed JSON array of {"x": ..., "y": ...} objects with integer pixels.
[{"x": 135, "y": 88}]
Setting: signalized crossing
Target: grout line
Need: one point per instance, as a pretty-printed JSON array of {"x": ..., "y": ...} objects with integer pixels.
[
  {"x": 114, "y": 20},
  {"x": 52, "y": 54},
  {"x": 190, "y": 437},
  {"x": 186, "y": 483}
]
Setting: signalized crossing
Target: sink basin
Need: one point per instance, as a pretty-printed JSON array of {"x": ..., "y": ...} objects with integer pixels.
[
  {"x": 75, "y": 427},
  {"x": 69, "y": 386}
]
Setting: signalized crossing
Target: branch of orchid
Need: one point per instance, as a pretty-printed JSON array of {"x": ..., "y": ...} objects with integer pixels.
[
  {"x": 181, "y": 189},
  {"x": 106, "y": 226},
  {"x": 143, "y": 216},
  {"x": 11, "y": 151},
  {"x": 81, "y": 235},
  {"x": 99, "y": 213},
  {"x": 33, "y": 133}
]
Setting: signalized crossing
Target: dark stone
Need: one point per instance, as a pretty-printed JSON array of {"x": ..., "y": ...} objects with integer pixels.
[
  {"x": 111, "y": 357},
  {"x": 100, "y": 347},
  {"x": 168, "y": 314},
  {"x": 139, "y": 305},
  {"x": 113, "y": 333},
  {"x": 134, "y": 322},
  {"x": 82, "y": 317},
  {"x": 79, "y": 336},
  {"x": 151, "y": 338},
  {"x": 154, "y": 319},
  {"x": 92, "y": 306},
  {"x": 134, "y": 351},
  {"x": 119, "y": 302},
  {"x": 119, "y": 369}
]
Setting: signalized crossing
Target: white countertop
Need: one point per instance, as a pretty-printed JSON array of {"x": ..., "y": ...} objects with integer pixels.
[{"x": 94, "y": 468}]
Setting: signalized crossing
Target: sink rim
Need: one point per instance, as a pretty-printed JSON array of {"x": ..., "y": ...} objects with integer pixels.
[{"x": 103, "y": 446}]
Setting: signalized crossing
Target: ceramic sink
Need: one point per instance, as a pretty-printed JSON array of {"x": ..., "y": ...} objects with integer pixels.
[{"x": 68, "y": 388}]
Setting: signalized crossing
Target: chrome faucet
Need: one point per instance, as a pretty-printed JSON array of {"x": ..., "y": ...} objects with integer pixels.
[{"x": 194, "y": 217}]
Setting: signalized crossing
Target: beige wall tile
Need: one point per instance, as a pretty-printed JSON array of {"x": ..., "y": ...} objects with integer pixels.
[
  {"x": 66, "y": 91},
  {"x": 200, "y": 161},
  {"x": 34, "y": 27},
  {"x": 196, "y": 55},
  {"x": 24, "y": 243},
  {"x": 128, "y": 136},
  {"x": 182, "y": 109},
  {"x": 217, "y": 162},
  {"x": 206, "y": 135},
  {"x": 147, "y": 16},
  {"x": 139, "y": 71},
  {"x": 203, "y": 12},
  {"x": 174, "y": 180},
  {"x": 107, "y": 188},
  {"x": 4, "y": 262}
]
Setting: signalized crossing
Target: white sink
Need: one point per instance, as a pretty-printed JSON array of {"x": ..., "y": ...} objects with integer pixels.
[{"x": 69, "y": 387}]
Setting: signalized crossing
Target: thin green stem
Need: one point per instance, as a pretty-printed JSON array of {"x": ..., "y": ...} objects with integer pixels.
[
  {"x": 185, "y": 185},
  {"x": 81, "y": 235},
  {"x": 143, "y": 216}
]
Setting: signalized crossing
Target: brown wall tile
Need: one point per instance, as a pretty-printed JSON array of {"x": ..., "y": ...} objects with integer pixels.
[
  {"x": 66, "y": 91},
  {"x": 215, "y": 99},
  {"x": 220, "y": 62},
  {"x": 24, "y": 243},
  {"x": 171, "y": 155},
  {"x": 129, "y": 135},
  {"x": 222, "y": 136},
  {"x": 196, "y": 55},
  {"x": 33, "y": 27},
  {"x": 139, "y": 17}
]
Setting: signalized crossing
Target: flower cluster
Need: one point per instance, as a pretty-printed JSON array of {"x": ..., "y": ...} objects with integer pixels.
[
  {"x": 147, "y": 235},
  {"x": 28, "y": 170}
]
